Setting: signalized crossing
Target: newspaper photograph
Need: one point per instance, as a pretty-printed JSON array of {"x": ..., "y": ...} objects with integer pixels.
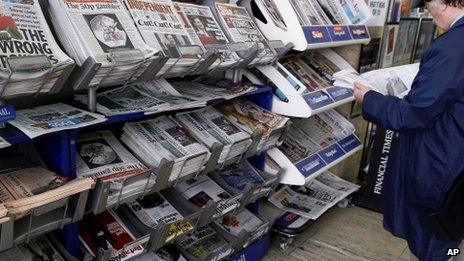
[
  {"x": 242, "y": 220},
  {"x": 45, "y": 119},
  {"x": 202, "y": 242},
  {"x": 25, "y": 32}
]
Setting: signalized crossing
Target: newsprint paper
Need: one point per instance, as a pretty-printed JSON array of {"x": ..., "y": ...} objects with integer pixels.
[
  {"x": 41, "y": 120},
  {"x": 314, "y": 198}
]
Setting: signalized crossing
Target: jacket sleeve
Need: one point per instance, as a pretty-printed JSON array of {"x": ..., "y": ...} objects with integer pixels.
[{"x": 435, "y": 88}]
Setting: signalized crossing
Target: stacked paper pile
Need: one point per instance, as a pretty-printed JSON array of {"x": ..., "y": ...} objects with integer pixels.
[
  {"x": 255, "y": 119},
  {"x": 205, "y": 31},
  {"x": 210, "y": 126},
  {"x": 32, "y": 39},
  {"x": 206, "y": 92},
  {"x": 240, "y": 28},
  {"x": 104, "y": 32},
  {"x": 52, "y": 118},
  {"x": 101, "y": 156},
  {"x": 22, "y": 191},
  {"x": 163, "y": 138},
  {"x": 140, "y": 97},
  {"x": 202, "y": 243},
  {"x": 162, "y": 29}
]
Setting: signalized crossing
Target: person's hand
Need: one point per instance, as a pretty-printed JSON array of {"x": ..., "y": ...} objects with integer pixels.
[{"x": 360, "y": 90}]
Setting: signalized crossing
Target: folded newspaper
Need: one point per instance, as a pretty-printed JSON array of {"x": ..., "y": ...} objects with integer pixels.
[
  {"x": 314, "y": 198},
  {"x": 107, "y": 232},
  {"x": 203, "y": 189},
  {"x": 40, "y": 248},
  {"x": 205, "y": 31},
  {"x": 101, "y": 156},
  {"x": 31, "y": 60},
  {"x": 206, "y": 92},
  {"x": 22, "y": 190},
  {"x": 203, "y": 243},
  {"x": 253, "y": 118},
  {"x": 162, "y": 29},
  {"x": 211, "y": 127},
  {"x": 105, "y": 32},
  {"x": 396, "y": 81},
  {"x": 41, "y": 120},
  {"x": 164, "y": 138}
]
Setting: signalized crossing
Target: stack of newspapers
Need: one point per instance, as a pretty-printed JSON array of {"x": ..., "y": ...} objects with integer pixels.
[
  {"x": 315, "y": 197},
  {"x": 307, "y": 136},
  {"x": 205, "y": 31},
  {"x": 203, "y": 189},
  {"x": 142, "y": 97},
  {"x": 40, "y": 248},
  {"x": 105, "y": 32},
  {"x": 206, "y": 92},
  {"x": 101, "y": 156},
  {"x": 211, "y": 127},
  {"x": 162, "y": 29},
  {"x": 255, "y": 119},
  {"x": 52, "y": 118},
  {"x": 22, "y": 191},
  {"x": 323, "y": 12},
  {"x": 163, "y": 138},
  {"x": 31, "y": 60},
  {"x": 240, "y": 28},
  {"x": 204, "y": 243}
]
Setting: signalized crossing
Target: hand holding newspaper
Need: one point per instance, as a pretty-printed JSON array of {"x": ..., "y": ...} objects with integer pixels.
[{"x": 396, "y": 81}]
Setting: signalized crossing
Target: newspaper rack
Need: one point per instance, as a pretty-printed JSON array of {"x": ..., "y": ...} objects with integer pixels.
[
  {"x": 35, "y": 62},
  {"x": 244, "y": 238}
]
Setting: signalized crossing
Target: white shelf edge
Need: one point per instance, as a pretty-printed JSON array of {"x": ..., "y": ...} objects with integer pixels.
[{"x": 337, "y": 44}]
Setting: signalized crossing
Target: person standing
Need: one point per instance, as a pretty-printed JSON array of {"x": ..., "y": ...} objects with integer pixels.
[{"x": 430, "y": 123}]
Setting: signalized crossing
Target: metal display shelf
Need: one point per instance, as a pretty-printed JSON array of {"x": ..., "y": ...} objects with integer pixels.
[{"x": 326, "y": 36}]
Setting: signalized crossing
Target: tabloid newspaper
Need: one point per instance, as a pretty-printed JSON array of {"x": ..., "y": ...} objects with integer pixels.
[
  {"x": 107, "y": 230},
  {"x": 25, "y": 32},
  {"x": 38, "y": 249},
  {"x": 243, "y": 220},
  {"x": 162, "y": 29},
  {"x": 154, "y": 208},
  {"x": 346, "y": 12},
  {"x": 204, "y": 189},
  {"x": 45, "y": 119},
  {"x": 105, "y": 31},
  {"x": 308, "y": 14},
  {"x": 203, "y": 28},
  {"x": 297, "y": 145},
  {"x": 240, "y": 27},
  {"x": 210, "y": 126},
  {"x": 303, "y": 72},
  {"x": 253, "y": 118},
  {"x": 240, "y": 175},
  {"x": 202, "y": 242},
  {"x": 315, "y": 197},
  {"x": 100, "y": 155},
  {"x": 163, "y": 137}
]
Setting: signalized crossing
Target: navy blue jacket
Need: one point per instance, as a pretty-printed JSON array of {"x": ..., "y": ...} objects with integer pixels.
[{"x": 430, "y": 151}]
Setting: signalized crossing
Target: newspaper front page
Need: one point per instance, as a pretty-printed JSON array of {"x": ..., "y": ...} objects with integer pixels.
[{"x": 41, "y": 120}]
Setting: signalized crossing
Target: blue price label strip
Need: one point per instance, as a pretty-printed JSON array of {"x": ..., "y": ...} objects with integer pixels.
[
  {"x": 316, "y": 34},
  {"x": 339, "y": 93},
  {"x": 331, "y": 153},
  {"x": 349, "y": 143},
  {"x": 317, "y": 99},
  {"x": 359, "y": 32},
  {"x": 310, "y": 165},
  {"x": 339, "y": 33},
  {"x": 7, "y": 113}
]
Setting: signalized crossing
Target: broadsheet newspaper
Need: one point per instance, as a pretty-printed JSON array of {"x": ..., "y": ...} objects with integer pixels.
[
  {"x": 238, "y": 24},
  {"x": 347, "y": 12},
  {"x": 204, "y": 189},
  {"x": 161, "y": 28},
  {"x": 24, "y": 32},
  {"x": 253, "y": 118},
  {"x": 38, "y": 249},
  {"x": 307, "y": 14},
  {"x": 205, "y": 31},
  {"x": 315, "y": 198},
  {"x": 203, "y": 242},
  {"x": 163, "y": 137},
  {"x": 104, "y": 31},
  {"x": 210, "y": 126},
  {"x": 107, "y": 229},
  {"x": 52, "y": 118},
  {"x": 243, "y": 220},
  {"x": 202, "y": 92},
  {"x": 100, "y": 155},
  {"x": 154, "y": 208}
]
